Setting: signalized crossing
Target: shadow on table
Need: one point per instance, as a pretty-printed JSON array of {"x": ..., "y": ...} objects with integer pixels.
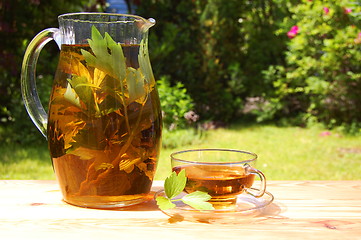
[{"x": 272, "y": 211}]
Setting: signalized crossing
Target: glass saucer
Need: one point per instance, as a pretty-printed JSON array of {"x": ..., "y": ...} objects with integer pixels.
[{"x": 247, "y": 208}]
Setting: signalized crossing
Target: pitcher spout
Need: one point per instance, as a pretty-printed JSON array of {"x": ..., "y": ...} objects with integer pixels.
[{"x": 146, "y": 24}]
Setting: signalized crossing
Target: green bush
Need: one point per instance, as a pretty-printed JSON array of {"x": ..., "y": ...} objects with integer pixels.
[
  {"x": 216, "y": 48},
  {"x": 321, "y": 78},
  {"x": 20, "y": 21},
  {"x": 233, "y": 57},
  {"x": 176, "y": 104}
]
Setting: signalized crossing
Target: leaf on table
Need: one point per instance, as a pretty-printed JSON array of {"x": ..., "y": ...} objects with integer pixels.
[
  {"x": 174, "y": 184},
  {"x": 198, "y": 200},
  {"x": 164, "y": 203}
]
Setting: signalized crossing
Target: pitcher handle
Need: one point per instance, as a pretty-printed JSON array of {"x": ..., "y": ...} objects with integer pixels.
[{"x": 28, "y": 79}]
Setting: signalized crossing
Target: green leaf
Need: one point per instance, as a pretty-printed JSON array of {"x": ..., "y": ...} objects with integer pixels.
[
  {"x": 164, "y": 203},
  {"x": 198, "y": 200},
  {"x": 135, "y": 83},
  {"x": 174, "y": 184},
  {"x": 144, "y": 63},
  {"x": 71, "y": 96},
  {"x": 109, "y": 104},
  {"x": 117, "y": 57},
  {"x": 108, "y": 55},
  {"x": 84, "y": 90}
]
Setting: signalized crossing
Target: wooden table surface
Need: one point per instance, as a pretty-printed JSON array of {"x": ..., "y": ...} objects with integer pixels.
[{"x": 301, "y": 210}]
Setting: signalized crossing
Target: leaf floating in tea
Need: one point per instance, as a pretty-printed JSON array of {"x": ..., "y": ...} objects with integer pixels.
[
  {"x": 84, "y": 90},
  {"x": 108, "y": 55},
  {"x": 105, "y": 116},
  {"x": 135, "y": 82},
  {"x": 71, "y": 96},
  {"x": 104, "y": 166},
  {"x": 144, "y": 63}
]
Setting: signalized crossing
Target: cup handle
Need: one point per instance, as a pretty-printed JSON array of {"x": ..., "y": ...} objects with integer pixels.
[
  {"x": 262, "y": 190},
  {"x": 28, "y": 84}
]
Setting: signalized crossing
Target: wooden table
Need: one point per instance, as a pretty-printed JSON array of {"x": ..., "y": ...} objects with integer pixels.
[{"x": 301, "y": 210}]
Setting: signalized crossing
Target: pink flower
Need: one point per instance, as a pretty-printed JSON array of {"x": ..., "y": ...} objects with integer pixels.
[
  {"x": 348, "y": 10},
  {"x": 294, "y": 29},
  {"x": 293, "y": 32},
  {"x": 326, "y": 10},
  {"x": 325, "y": 134}
]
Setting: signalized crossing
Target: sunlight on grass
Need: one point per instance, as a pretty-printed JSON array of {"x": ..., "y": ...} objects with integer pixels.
[
  {"x": 27, "y": 169},
  {"x": 284, "y": 153},
  {"x": 289, "y": 153},
  {"x": 293, "y": 153},
  {"x": 25, "y": 163}
]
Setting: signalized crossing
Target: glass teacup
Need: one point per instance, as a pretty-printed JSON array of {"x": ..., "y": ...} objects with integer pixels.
[{"x": 222, "y": 173}]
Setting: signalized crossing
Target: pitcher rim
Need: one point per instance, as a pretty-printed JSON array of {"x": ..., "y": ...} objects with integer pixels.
[{"x": 63, "y": 17}]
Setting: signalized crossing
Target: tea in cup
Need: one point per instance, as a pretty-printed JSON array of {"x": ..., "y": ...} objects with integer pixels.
[{"x": 222, "y": 173}]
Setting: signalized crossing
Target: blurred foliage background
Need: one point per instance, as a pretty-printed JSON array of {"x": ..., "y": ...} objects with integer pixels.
[
  {"x": 293, "y": 62},
  {"x": 20, "y": 21}
]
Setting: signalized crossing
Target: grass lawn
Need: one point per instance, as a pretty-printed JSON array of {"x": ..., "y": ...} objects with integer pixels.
[{"x": 284, "y": 153}]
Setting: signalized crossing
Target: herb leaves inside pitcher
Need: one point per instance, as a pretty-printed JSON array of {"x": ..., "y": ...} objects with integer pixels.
[{"x": 104, "y": 120}]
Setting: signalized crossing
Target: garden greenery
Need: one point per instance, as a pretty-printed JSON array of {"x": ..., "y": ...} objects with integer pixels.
[
  {"x": 297, "y": 61},
  {"x": 216, "y": 48},
  {"x": 291, "y": 61},
  {"x": 320, "y": 80},
  {"x": 20, "y": 21},
  {"x": 176, "y": 105}
]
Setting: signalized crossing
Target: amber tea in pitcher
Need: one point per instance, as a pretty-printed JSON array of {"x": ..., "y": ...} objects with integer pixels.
[
  {"x": 104, "y": 119},
  {"x": 117, "y": 154}
]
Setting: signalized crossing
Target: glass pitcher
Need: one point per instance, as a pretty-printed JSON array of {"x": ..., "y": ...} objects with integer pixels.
[{"x": 104, "y": 121}]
